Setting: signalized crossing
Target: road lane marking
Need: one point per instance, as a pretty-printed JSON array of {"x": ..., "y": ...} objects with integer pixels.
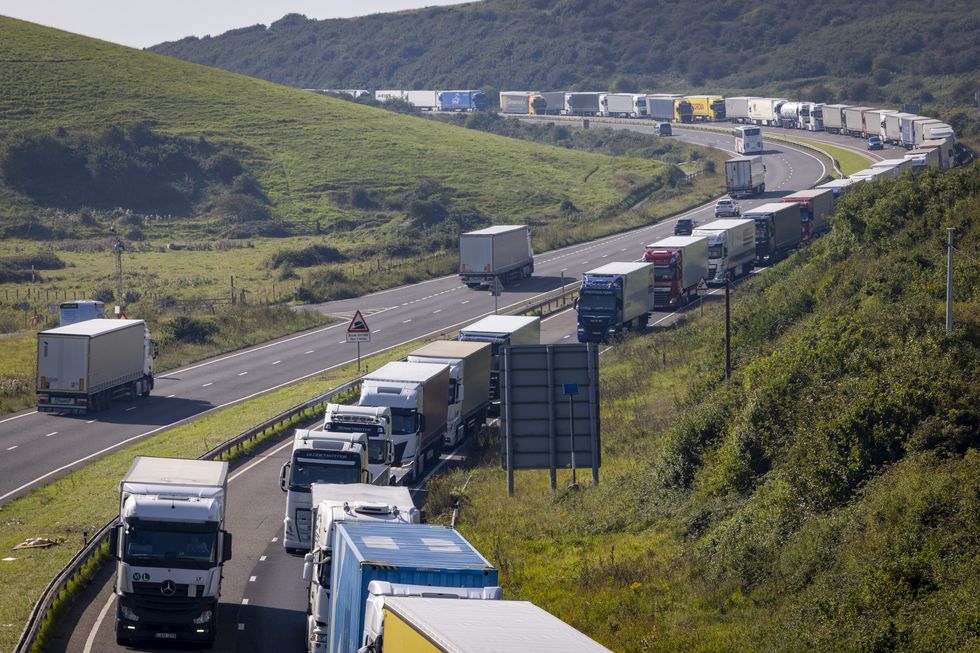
[
  {"x": 12, "y": 448},
  {"x": 261, "y": 558},
  {"x": 251, "y": 579},
  {"x": 276, "y": 362},
  {"x": 90, "y": 640},
  {"x": 438, "y": 310},
  {"x": 275, "y": 539},
  {"x": 241, "y": 626},
  {"x": 92, "y": 421},
  {"x": 10, "y": 419},
  {"x": 406, "y": 321},
  {"x": 131, "y": 408},
  {"x": 207, "y": 384},
  {"x": 242, "y": 373},
  {"x": 309, "y": 352},
  {"x": 48, "y": 435},
  {"x": 170, "y": 396},
  {"x": 244, "y": 601}
]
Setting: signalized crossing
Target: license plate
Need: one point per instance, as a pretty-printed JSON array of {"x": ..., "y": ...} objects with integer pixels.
[
  {"x": 62, "y": 400},
  {"x": 165, "y": 635}
]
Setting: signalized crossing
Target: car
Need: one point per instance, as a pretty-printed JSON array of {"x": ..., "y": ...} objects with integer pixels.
[
  {"x": 684, "y": 227},
  {"x": 727, "y": 208},
  {"x": 874, "y": 143},
  {"x": 663, "y": 129}
]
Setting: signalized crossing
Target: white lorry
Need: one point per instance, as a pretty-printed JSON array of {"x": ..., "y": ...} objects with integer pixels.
[
  {"x": 170, "y": 545},
  {"x": 731, "y": 248},
  {"x": 745, "y": 176},
  {"x": 343, "y": 503},
  {"x": 496, "y": 254},
  {"x": 501, "y": 331},
  {"x": 417, "y": 395},
  {"x": 623, "y": 105},
  {"x": 323, "y": 457},
  {"x": 469, "y": 384},
  {"x": 614, "y": 298},
  {"x": 83, "y": 366},
  {"x": 765, "y": 111}
]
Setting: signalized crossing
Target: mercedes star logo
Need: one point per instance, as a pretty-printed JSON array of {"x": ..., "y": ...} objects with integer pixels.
[{"x": 168, "y": 588}]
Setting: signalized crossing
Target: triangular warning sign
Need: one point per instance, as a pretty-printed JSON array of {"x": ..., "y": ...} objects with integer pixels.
[{"x": 358, "y": 324}]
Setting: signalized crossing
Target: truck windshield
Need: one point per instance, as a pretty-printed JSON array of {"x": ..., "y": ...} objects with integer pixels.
[
  {"x": 716, "y": 251},
  {"x": 663, "y": 273},
  {"x": 306, "y": 470},
  {"x": 146, "y": 545},
  {"x": 595, "y": 302},
  {"x": 402, "y": 421}
]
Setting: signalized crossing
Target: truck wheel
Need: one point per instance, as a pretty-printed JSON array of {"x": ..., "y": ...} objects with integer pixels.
[
  {"x": 122, "y": 641},
  {"x": 644, "y": 320}
]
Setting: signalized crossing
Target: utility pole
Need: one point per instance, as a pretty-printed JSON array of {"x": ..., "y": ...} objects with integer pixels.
[
  {"x": 728, "y": 331},
  {"x": 117, "y": 248},
  {"x": 949, "y": 280}
]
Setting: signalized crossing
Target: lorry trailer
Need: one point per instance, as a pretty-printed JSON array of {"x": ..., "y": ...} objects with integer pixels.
[
  {"x": 833, "y": 117},
  {"x": 582, "y": 104},
  {"x": 778, "y": 230},
  {"x": 423, "y": 100},
  {"x": 79, "y": 311},
  {"x": 707, "y": 108},
  {"x": 495, "y": 255},
  {"x": 522, "y": 102},
  {"x": 679, "y": 264},
  {"x": 731, "y": 248},
  {"x": 745, "y": 176},
  {"x": 816, "y": 205},
  {"x": 83, "y": 367},
  {"x": 765, "y": 111},
  {"x": 554, "y": 102},
  {"x": 426, "y": 556},
  {"x": 501, "y": 331},
  {"x": 469, "y": 384},
  {"x": 614, "y": 298},
  {"x": 737, "y": 108},
  {"x": 170, "y": 546},
  {"x": 416, "y": 394},
  {"x": 466, "y": 100},
  {"x": 623, "y": 105}
]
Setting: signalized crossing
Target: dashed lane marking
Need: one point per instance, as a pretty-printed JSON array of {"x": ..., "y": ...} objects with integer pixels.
[
  {"x": 48, "y": 435},
  {"x": 207, "y": 384},
  {"x": 242, "y": 373},
  {"x": 276, "y": 362}
]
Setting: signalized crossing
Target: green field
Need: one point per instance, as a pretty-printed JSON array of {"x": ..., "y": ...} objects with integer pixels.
[{"x": 848, "y": 160}]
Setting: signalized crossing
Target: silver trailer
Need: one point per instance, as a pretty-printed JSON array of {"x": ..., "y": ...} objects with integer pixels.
[
  {"x": 381, "y": 96},
  {"x": 924, "y": 158},
  {"x": 518, "y": 102},
  {"x": 554, "y": 102},
  {"x": 495, "y": 255},
  {"x": 854, "y": 120},
  {"x": 794, "y": 115},
  {"x": 423, "y": 100},
  {"x": 833, "y": 117},
  {"x": 582, "y": 104},
  {"x": 765, "y": 111},
  {"x": 893, "y": 127},
  {"x": 623, "y": 105},
  {"x": 900, "y": 165},
  {"x": 737, "y": 108},
  {"x": 745, "y": 176},
  {"x": 777, "y": 230}
]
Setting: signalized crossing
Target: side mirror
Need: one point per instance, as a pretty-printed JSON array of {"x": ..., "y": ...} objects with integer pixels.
[
  {"x": 389, "y": 452},
  {"x": 114, "y": 536},
  {"x": 365, "y": 476},
  {"x": 308, "y": 567},
  {"x": 421, "y": 423},
  {"x": 225, "y": 546},
  {"x": 282, "y": 476}
]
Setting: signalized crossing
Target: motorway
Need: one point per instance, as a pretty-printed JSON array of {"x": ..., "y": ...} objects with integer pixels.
[
  {"x": 36, "y": 448},
  {"x": 263, "y": 597}
]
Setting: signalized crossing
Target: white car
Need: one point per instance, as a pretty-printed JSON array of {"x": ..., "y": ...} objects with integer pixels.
[{"x": 727, "y": 208}]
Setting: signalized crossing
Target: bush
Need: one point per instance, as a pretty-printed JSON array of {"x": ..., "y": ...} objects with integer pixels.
[{"x": 191, "y": 330}]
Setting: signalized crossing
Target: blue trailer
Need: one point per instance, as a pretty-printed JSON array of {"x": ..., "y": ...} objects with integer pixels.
[
  {"x": 466, "y": 100},
  {"x": 402, "y": 555},
  {"x": 81, "y": 310}
]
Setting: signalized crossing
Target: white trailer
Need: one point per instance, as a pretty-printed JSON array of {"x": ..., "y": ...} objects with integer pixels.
[
  {"x": 731, "y": 248},
  {"x": 854, "y": 120},
  {"x": 833, "y": 117},
  {"x": 423, "y": 100},
  {"x": 945, "y": 150},
  {"x": 924, "y": 158},
  {"x": 623, "y": 105},
  {"x": 495, "y": 255},
  {"x": 737, "y": 108},
  {"x": 501, "y": 331},
  {"x": 389, "y": 94},
  {"x": 745, "y": 176},
  {"x": 469, "y": 383},
  {"x": 893, "y": 127},
  {"x": 900, "y": 165},
  {"x": 83, "y": 366},
  {"x": 765, "y": 111},
  {"x": 614, "y": 298},
  {"x": 170, "y": 545}
]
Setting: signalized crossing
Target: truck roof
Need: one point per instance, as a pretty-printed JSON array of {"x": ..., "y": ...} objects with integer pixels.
[
  {"x": 675, "y": 241},
  {"x": 482, "y": 626},
  {"x": 360, "y": 492},
  {"x": 500, "y": 324},
  {"x": 771, "y": 207},
  {"x": 720, "y": 225},
  {"x": 411, "y": 545},
  {"x": 450, "y": 349},
  {"x": 492, "y": 231},
  {"x": 807, "y": 194},
  {"x": 177, "y": 471},
  {"x": 90, "y": 328},
  {"x": 406, "y": 372},
  {"x": 887, "y": 163},
  {"x": 619, "y": 268},
  {"x": 836, "y": 183}
]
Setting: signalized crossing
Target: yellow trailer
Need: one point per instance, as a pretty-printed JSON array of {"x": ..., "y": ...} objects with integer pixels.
[{"x": 707, "y": 108}]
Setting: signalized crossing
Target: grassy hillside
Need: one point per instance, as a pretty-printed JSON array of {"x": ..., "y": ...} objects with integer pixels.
[
  {"x": 827, "y": 498},
  {"x": 878, "y": 51}
]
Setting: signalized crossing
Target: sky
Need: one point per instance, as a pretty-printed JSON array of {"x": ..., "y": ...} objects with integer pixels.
[{"x": 142, "y": 23}]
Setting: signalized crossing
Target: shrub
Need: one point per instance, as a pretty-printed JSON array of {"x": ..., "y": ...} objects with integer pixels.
[{"x": 191, "y": 330}]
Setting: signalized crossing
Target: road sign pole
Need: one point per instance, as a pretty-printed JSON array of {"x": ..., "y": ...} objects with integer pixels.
[
  {"x": 358, "y": 357},
  {"x": 571, "y": 431},
  {"x": 507, "y": 423},
  {"x": 728, "y": 331}
]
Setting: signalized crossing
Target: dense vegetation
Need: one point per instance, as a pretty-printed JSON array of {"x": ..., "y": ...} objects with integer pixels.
[
  {"x": 827, "y": 498},
  {"x": 878, "y": 51}
]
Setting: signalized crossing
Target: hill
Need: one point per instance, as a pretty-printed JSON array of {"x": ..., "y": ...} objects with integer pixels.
[
  {"x": 891, "y": 52},
  {"x": 826, "y": 498},
  {"x": 93, "y": 134}
]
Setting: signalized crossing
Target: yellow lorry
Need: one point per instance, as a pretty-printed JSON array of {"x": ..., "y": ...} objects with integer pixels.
[{"x": 707, "y": 108}]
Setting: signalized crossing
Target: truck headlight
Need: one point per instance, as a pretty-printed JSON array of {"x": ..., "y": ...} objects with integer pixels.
[
  {"x": 128, "y": 614},
  {"x": 319, "y": 638},
  {"x": 204, "y": 618}
]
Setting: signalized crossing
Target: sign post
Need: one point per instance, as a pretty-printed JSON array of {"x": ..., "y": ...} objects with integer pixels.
[
  {"x": 358, "y": 331},
  {"x": 495, "y": 289},
  {"x": 702, "y": 291},
  {"x": 570, "y": 390}
]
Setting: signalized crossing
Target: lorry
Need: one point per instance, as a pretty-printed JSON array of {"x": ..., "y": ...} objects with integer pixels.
[
  {"x": 765, "y": 111},
  {"x": 661, "y": 107},
  {"x": 375, "y": 423},
  {"x": 854, "y": 121},
  {"x": 501, "y": 331},
  {"x": 416, "y": 394},
  {"x": 794, "y": 115},
  {"x": 434, "y": 625},
  {"x": 170, "y": 546},
  {"x": 906, "y": 127},
  {"x": 323, "y": 457},
  {"x": 469, "y": 384},
  {"x": 679, "y": 264},
  {"x": 737, "y": 108},
  {"x": 466, "y": 100},
  {"x": 945, "y": 150},
  {"x": 922, "y": 159},
  {"x": 614, "y": 298},
  {"x": 522, "y": 102},
  {"x": 706, "y": 108},
  {"x": 554, "y": 102},
  {"x": 582, "y": 104},
  {"x": 372, "y": 559},
  {"x": 79, "y": 311},
  {"x": 391, "y": 94},
  {"x": 623, "y": 105},
  {"x": 816, "y": 205},
  {"x": 333, "y": 504},
  {"x": 423, "y": 100},
  {"x": 745, "y": 176},
  {"x": 893, "y": 127},
  {"x": 816, "y": 118},
  {"x": 833, "y": 117},
  {"x": 731, "y": 248},
  {"x": 874, "y": 122},
  {"x": 777, "y": 230},
  {"x": 838, "y": 186},
  {"x": 495, "y": 255},
  {"x": 901, "y": 165},
  {"x": 83, "y": 367}
]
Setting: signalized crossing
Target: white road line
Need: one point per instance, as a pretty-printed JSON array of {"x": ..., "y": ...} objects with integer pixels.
[
  {"x": 244, "y": 601},
  {"x": 10, "y": 419},
  {"x": 90, "y": 640},
  {"x": 406, "y": 321},
  {"x": 310, "y": 351},
  {"x": 92, "y": 421},
  {"x": 261, "y": 558},
  {"x": 170, "y": 396},
  {"x": 131, "y": 408},
  {"x": 275, "y": 539},
  {"x": 241, "y": 626},
  {"x": 48, "y": 435},
  {"x": 251, "y": 579},
  {"x": 342, "y": 342},
  {"x": 12, "y": 448},
  {"x": 260, "y": 460},
  {"x": 438, "y": 310},
  {"x": 242, "y": 373},
  {"x": 466, "y": 301},
  {"x": 565, "y": 338},
  {"x": 207, "y": 384},
  {"x": 276, "y": 362}
]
